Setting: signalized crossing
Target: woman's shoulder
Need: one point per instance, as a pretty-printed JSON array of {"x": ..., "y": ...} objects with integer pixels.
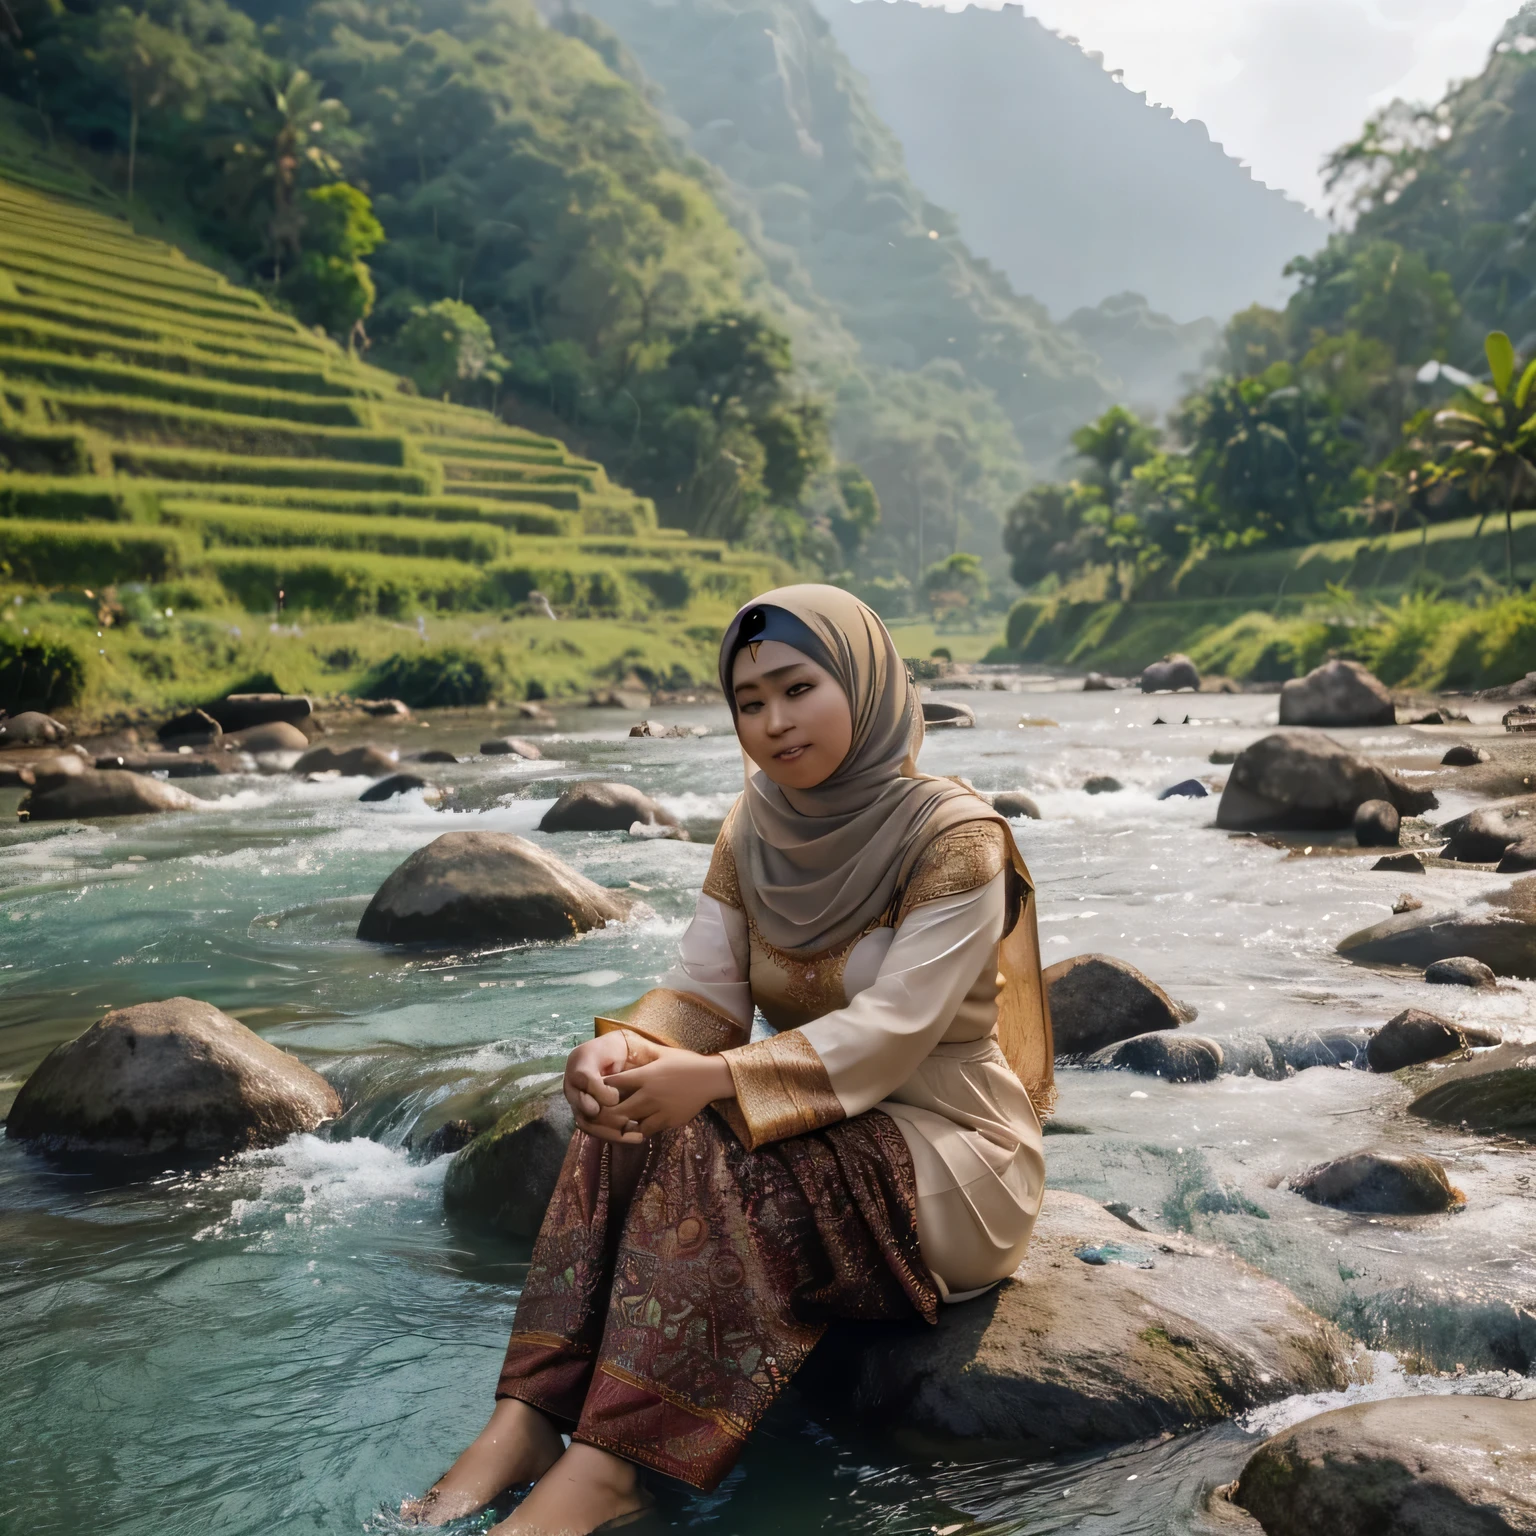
[
  {"x": 961, "y": 858},
  {"x": 722, "y": 881}
]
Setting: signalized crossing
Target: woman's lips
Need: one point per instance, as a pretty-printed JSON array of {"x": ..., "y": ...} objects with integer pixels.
[{"x": 789, "y": 754}]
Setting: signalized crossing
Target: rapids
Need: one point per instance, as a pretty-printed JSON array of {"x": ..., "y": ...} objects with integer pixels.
[{"x": 292, "y": 1340}]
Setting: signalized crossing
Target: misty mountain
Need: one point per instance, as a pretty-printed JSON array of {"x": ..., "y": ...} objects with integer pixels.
[
  {"x": 1059, "y": 175},
  {"x": 1156, "y": 359}
]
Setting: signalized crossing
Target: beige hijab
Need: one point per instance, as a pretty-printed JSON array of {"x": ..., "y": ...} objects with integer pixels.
[{"x": 818, "y": 867}]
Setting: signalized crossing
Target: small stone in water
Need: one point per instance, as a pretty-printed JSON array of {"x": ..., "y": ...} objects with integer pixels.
[
  {"x": 1400, "y": 864},
  {"x": 1406, "y": 903},
  {"x": 1460, "y": 971},
  {"x": 1103, "y": 784},
  {"x": 1186, "y": 789}
]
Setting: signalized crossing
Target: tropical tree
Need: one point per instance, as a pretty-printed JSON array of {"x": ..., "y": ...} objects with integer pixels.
[
  {"x": 1491, "y": 433},
  {"x": 1113, "y": 447},
  {"x": 446, "y": 346}
]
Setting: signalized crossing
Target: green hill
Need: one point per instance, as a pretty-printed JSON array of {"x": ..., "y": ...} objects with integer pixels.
[{"x": 174, "y": 453}]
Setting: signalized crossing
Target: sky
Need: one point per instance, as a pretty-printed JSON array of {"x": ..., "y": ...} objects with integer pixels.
[{"x": 1280, "y": 83}]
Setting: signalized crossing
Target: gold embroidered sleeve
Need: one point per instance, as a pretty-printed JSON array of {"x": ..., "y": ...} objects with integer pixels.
[
  {"x": 677, "y": 1018},
  {"x": 962, "y": 859},
  {"x": 721, "y": 881},
  {"x": 782, "y": 1090}
]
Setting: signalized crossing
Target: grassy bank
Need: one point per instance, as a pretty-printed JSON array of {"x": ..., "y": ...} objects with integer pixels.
[
  {"x": 1423, "y": 610},
  {"x": 196, "y": 491}
]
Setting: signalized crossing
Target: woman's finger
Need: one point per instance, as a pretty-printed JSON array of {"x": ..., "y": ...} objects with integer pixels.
[
  {"x": 626, "y": 1082},
  {"x": 654, "y": 1124},
  {"x": 590, "y": 1082}
]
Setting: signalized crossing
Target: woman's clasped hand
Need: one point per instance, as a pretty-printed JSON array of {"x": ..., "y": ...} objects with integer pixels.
[{"x": 623, "y": 1087}]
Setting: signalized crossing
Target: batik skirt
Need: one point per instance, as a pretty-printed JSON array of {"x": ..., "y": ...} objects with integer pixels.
[{"x": 677, "y": 1286}]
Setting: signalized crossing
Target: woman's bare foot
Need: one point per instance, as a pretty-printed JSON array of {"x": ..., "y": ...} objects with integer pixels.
[
  {"x": 517, "y": 1445},
  {"x": 583, "y": 1490}
]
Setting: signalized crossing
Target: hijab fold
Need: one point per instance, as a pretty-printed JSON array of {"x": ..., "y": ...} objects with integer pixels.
[{"x": 818, "y": 867}]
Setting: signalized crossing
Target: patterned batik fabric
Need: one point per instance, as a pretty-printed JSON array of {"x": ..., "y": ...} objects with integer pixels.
[{"x": 676, "y": 1287}]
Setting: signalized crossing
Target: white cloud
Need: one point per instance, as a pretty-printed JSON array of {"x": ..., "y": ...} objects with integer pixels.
[{"x": 1280, "y": 83}]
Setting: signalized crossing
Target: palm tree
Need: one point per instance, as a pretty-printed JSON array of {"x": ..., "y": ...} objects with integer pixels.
[{"x": 1492, "y": 435}]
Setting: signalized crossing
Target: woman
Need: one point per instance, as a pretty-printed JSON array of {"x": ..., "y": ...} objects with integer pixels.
[{"x": 878, "y": 1154}]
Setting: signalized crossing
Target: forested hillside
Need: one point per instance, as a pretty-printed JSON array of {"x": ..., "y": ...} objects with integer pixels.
[{"x": 1059, "y": 175}]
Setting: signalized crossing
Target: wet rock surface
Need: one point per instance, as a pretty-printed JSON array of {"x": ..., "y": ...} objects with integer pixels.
[
  {"x": 1377, "y": 824},
  {"x": 349, "y": 762},
  {"x": 91, "y": 795},
  {"x": 1015, "y": 804},
  {"x": 395, "y": 784},
  {"x": 1400, "y": 863},
  {"x": 1301, "y": 781},
  {"x": 664, "y": 732},
  {"x": 31, "y": 728},
  {"x": 1386, "y": 1183},
  {"x": 1071, "y": 1353},
  {"x": 486, "y": 888},
  {"x": 1279, "y": 1056},
  {"x": 597, "y": 806},
  {"x": 1493, "y": 1092},
  {"x": 1419, "y": 1466},
  {"x": 1459, "y": 971},
  {"x": 1174, "y": 1058},
  {"x": 1463, "y": 756},
  {"x": 1411, "y": 1037},
  {"x": 512, "y": 746},
  {"x": 177, "y": 1076},
  {"x": 1170, "y": 675},
  {"x": 504, "y": 1178},
  {"x": 941, "y": 715},
  {"x": 274, "y": 736},
  {"x": 1337, "y": 694},
  {"x": 1102, "y": 784},
  {"x": 1480, "y": 837},
  {"x": 1185, "y": 789},
  {"x": 1498, "y": 929},
  {"x": 1097, "y": 1001},
  {"x": 1519, "y": 858}
]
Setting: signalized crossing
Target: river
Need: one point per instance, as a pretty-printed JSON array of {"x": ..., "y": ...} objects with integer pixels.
[{"x": 291, "y": 1341}]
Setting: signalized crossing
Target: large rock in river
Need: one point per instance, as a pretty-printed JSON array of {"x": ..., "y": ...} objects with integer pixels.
[
  {"x": 350, "y": 762},
  {"x": 596, "y": 806},
  {"x": 505, "y": 1177},
  {"x": 1103, "y": 1335},
  {"x": 1299, "y": 781},
  {"x": 487, "y": 888},
  {"x": 1170, "y": 675},
  {"x": 31, "y": 728},
  {"x": 1498, "y": 928},
  {"x": 93, "y": 793},
  {"x": 1338, "y": 693},
  {"x": 1174, "y": 1058},
  {"x": 1097, "y": 1000},
  {"x": 1495, "y": 1091},
  {"x": 1392, "y": 1184},
  {"x": 175, "y": 1076},
  {"x": 1411, "y": 1037},
  {"x": 1409, "y": 1466}
]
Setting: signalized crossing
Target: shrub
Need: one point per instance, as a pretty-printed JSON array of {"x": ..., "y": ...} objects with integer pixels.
[
  {"x": 237, "y": 526},
  {"x": 87, "y": 554},
  {"x": 39, "y": 674},
  {"x": 345, "y": 586},
  {"x": 427, "y": 679},
  {"x": 83, "y": 500}
]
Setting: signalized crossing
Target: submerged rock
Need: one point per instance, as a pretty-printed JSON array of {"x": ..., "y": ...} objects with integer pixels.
[
  {"x": 1098, "y": 1001},
  {"x": 1185, "y": 789},
  {"x": 1418, "y": 1466},
  {"x": 1299, "y": 781},
  {"x": 1494, "y": 1091},
  {"x": 1174, "y": 1058},
  {"x": 1460, "y": 971},
  {"x": 486, "y": 888},
  {"x": 1338, "y": 693},
  {"x": 504, "y": 1179},
  {"x": 92, "y": 794},
  {"x": 31, "y": 728},
  {"x": 1498, "y": 929},
  {"x": 1281, "y": 1056},
  {"x": 395, "y": 784},
  {"x": 433, "y": 755},
  {"x": 938, "y": 716},
  {"x": 596, "y": 806},
  {"x": 174, "y": 1076},
  {"x": 1069, "y": 1354},
  {"x": 1170, "y": 675},
  {"x": 1411, "y": 1037},
  {"x": 511, "y": 746},
  {"x": 1463, "y": 756},
  {"x": 1377, "y": 824},
  {"x": 1102, "y": 784},
  {"x": 1387, "y": 1183},
  {"x": 1015, "y": 804},
  {"x": 349, "y": 762}
]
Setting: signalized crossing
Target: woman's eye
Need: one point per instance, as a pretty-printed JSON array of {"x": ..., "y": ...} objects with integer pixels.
[
  {"x": 750, "y": 709},
  {"x": 796, "y": 689}
]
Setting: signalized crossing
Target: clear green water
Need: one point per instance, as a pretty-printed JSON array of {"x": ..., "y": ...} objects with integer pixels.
[{"x": 291, "y": 1342}]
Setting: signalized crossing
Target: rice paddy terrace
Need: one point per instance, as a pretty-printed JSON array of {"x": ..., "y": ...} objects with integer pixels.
[{"x": 169, "y": 439}]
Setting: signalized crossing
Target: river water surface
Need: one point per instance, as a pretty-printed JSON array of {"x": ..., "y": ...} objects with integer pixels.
[{"x": 293, "y": 1340}]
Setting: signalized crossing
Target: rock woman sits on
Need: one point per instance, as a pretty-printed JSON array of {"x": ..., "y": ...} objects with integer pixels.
[{"x": 876, "y": 1154}]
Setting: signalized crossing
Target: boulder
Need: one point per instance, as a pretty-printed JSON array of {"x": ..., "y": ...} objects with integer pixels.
[
  {"x": 385, "y": 709},
  {"x": 1481, "y": 837},
  {"x": 175, "y": 765},
  {"x": 1400, "y": 864},
  {"x": 596, "y": 806},
  {"x": 240, "y": 711},
  {"x": 395, "y": 784},
  {"x": 1411, "y": 1037},
  {"x": 349, "y": 762},
  {"x": 31, "y": 728},
  {"x": 1185, "y": 789},
  {"x": 511, "y": 746},
  {"x": 487, "y": 888},
  {"x": 1376, "y": 824},
  {"x": 1170, "y": 675},
  {"x": 1463, "y": 756},
  {"x": 1442, "y": 714},
  {"x": 1015, "y": 804},
  {"x": 1521, "y": 720},
  {"x": 1299, "y": 781},
  {"x": 1459, "y": 971},
  {"x": 619, "y": 698},
  {"x": 1498, "y": 929},
  {"x": 504, "y": 1179},
  {"x": 662, "y": 731},
  {"x": 175, "y": 1076},
  {"x": 1387, "y": 1183},
  {"x": 1102, "y": 784},
  {"x": 1407, "y": 902},
  {"x": 1222, "y": 757},
  {"x": 1098, "y": 1001},
  {"x": 25, "y": 772},
  {"x": 93, "y": 794},
  {"x": 194, "y": 729},
  {"x": 1075, "y": 1351},
  {"x": 1519, "y": 858},
  {"x": 1338, "y": 693},
  {"x": 433, "y": 755},
  {"x": 274, "y": 736},
  {"x": 939, "y": 715},
  {"x": 1174, "y": 1058},
  {"x": 1492, "y": 1092},
  {"x": 1407, "y": 1466},
  {"x": 1096, "y": 682}
]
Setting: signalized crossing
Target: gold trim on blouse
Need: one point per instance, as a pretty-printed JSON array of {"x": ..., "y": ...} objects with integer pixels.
[
  {"x": 721, "y": 881},
  {"x": 782, "y": 1090},
  {"x": 961, "y": 859},
  {"x": 666, "y": 1017}
]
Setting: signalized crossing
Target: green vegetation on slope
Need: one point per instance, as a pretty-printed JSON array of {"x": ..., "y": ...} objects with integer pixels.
[{"x": 194, "y": 489}]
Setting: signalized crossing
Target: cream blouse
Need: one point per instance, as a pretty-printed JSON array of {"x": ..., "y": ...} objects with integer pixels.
[{"x": 904, "y": 1020}]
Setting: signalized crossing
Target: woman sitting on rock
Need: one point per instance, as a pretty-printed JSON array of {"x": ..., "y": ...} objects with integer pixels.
[{"x": 876, "y": 1154}]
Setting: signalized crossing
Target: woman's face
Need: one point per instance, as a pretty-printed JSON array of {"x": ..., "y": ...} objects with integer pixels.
[{"x": 792, "y": 718}]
